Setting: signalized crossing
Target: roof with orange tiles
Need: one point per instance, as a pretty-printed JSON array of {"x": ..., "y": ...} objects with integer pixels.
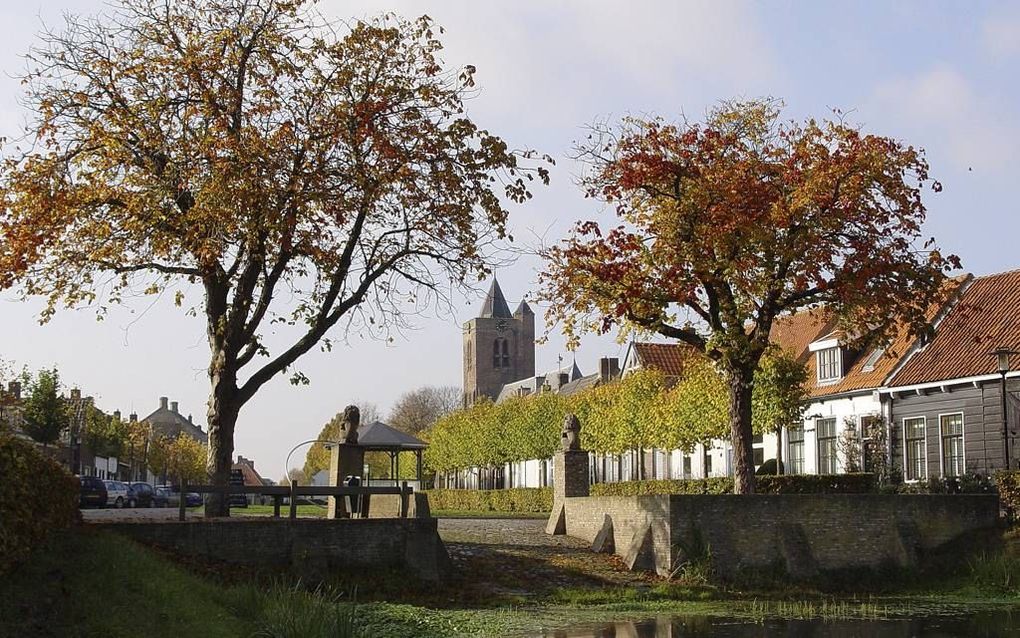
[
  {"x": 666, "y": 357},
  {"x": 986, "y": 317},
  {"x": 865, "y": 369},
  {"x": 251, "y": 477}
]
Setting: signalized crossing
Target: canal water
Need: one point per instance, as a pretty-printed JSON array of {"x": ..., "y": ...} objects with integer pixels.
[{"x": 981, "y": 625}]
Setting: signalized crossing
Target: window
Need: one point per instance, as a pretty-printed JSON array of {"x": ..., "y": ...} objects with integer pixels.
[
  {"x": 951, "y": 426},
  {"x": 795, "y": 456},
  {"x": 913, "y": 449},
  {"x": 825, "y": 431},
  {"x": 869, "y": 364},
  {"x": 871, "y": 439},
  {"x": 708, "y": 463},
  {"x": 830, "y": 364},
  {"x": 687, "y": 466},
  {"x": 500, "y": 353}
]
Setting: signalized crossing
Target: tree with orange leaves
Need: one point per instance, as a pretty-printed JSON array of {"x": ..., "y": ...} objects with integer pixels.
[
  {"x": 731, "y": 223},
  {"x": 297, "y": 172}
]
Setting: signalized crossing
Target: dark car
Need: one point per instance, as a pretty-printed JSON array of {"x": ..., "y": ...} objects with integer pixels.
[
  {"x": 91, "y": 492},
  {"x": 163, "y": 496},
  {"x": 140, "y": 495},
  {"x": 192, "y": 499}
]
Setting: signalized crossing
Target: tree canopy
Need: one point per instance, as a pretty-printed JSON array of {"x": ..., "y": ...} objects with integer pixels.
[
  {"x": 299, "y": 173},
  {"x": 728, "y": 224},
  {"x": 44, "y": 412}
]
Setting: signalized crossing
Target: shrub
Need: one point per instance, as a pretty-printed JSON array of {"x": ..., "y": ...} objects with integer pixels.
[
  {"x": 518, "y": 499},
  {"x": 1008, "y": 483},
  {"x": 37, "y": 496},
  {"x": 784, "y": 484}
]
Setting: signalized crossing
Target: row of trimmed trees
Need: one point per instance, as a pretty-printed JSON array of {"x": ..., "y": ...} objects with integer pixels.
[{"x": 645, "y": 409}]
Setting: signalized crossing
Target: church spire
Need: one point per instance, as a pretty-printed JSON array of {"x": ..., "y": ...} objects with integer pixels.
[{"x": 495, "y": 304}]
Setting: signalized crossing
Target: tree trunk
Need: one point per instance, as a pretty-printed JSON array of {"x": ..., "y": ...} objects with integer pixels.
[
  {"x": 223, "y": 411},
  {"x": 740, "y": 386},
  {"x": 779, "y": 450}
]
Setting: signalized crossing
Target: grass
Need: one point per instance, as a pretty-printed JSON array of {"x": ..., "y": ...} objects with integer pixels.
[
  {"x": 488, "y": 514},
  {"x": 303, "y": 511}
]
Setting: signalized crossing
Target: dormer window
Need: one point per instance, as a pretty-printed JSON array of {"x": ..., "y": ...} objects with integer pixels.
[{"x": 830, "y": 364}]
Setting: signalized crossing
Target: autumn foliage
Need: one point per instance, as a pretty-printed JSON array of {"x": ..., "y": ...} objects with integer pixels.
[
  {"x": 288, "y": 171},
  {"x": 727, "y": 224}
]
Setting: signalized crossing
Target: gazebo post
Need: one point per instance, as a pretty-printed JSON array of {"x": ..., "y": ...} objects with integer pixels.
[
  {"x": 396, "y": 463},
  {"x": 417, "y": 455}
]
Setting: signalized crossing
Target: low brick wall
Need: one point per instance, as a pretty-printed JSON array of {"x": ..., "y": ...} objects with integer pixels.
[
  {"x": 801, "y": 534},
  {"x": 312, "y": 546}
]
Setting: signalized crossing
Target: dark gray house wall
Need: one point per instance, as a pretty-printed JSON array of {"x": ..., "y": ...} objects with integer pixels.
[{"x": 982, "y": 423}]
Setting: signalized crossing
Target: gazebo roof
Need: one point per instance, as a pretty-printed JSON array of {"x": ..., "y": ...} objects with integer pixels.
[{"x": 379, "y": 436}]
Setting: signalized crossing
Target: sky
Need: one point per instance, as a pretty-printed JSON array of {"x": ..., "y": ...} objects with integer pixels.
[{"x": 940, "y": 75}]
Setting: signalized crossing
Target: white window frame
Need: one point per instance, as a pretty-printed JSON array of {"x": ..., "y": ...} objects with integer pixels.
[
  {"x": 803, "y": 445},
  {"x": 838, "y": 364},
  {"x": 903, "y": 433},
  {"x": 818, "y": 444},
  {"x": 963, "y": 442}
]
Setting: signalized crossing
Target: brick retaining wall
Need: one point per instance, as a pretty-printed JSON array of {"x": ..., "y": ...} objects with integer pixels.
[{"x": 312, "y": 546}]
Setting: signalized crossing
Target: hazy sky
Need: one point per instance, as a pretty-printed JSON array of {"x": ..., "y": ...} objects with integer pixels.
[{"x": 939, "y": 75}]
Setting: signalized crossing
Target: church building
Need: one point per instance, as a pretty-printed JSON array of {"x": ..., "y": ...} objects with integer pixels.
[{"x": 499, "y": 347}]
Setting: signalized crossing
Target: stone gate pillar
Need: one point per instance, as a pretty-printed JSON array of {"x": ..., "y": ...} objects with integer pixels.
[
  {"x": 346, "y": 458},
  {"x": 570, "y": 474}
]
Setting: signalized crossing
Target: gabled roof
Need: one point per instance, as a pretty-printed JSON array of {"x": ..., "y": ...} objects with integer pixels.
[
  {"x": 868, "y": 368},
  {"x": 495, "y": 303},
  {"x": 986, "y": 317},
  {"x": 535, "y": 384},
  {"x": 170, "y": 423},
  {"x": 251, "y": 477},
  {"x": 523, "y": 309},
  {"x": 380, "y": 436},
  {"x": 669, "y": 358},
  {"x": 577, "y": 385}
]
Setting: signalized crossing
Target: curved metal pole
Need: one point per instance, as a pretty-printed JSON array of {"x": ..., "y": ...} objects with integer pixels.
[{"x": 286, "y": 470}]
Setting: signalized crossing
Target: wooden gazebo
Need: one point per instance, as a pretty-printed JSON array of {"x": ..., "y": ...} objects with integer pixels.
[{"x": 379, "y": 437}]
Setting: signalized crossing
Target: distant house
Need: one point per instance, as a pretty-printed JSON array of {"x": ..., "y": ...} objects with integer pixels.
[
  {"x": 251, "y": 477},
  {"x": 169, "y": 422}
]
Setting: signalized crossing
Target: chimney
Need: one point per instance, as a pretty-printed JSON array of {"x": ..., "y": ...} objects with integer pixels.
[
  {"x": 162, "y": 402},
  {"x": 609, "y": 369},
  {"x": 133, "y": 417},
  {"x": 173, "y": 407},
  {"x": 116, "y": 416},
  {"x": 15, "y": 389}
]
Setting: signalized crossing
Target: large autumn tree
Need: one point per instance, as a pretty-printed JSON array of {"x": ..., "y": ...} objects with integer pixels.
[
  {"x": 729, "y": 223},
  {"x": 298, "y": 172}
]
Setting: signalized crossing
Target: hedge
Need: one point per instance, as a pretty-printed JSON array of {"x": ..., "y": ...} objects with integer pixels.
[
  {"x": 784, "y": 484},
  {"x": 37, "y": 496},
  {"x": 1009, "y": 489},
  {"x": 518, "y": 499}
]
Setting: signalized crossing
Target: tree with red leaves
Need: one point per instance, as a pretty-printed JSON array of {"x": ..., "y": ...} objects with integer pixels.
[{"x": 731, "y": 223}]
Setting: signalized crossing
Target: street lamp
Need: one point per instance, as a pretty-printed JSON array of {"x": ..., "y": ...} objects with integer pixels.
[{"x": 1002, "y": 355}]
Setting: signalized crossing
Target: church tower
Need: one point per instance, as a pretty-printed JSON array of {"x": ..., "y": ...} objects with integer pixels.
[{"x": 499, "y": 347}]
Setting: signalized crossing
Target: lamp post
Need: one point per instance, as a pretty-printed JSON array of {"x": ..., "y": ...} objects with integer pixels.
[{"x": 1002, "y": 355}]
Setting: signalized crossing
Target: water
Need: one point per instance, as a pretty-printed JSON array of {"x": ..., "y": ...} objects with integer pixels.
[{"x": 982, "y": 625}]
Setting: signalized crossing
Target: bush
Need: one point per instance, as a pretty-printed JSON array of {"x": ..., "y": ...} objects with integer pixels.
[
  {"x": 1008, "y": 483},
  {"x": 518, "y": 499},
  {"x": 784, "y": 484},
  {"x": 37, "y": 496}
]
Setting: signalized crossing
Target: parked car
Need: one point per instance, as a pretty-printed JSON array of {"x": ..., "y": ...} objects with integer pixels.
[
  {"x": 92, "y": 491},
  {"x": 164, "y": 496},
  {"x": 170, "y": 496},
  {"x": 140, "y": 494},
  {"x": 116, "y": 494}
]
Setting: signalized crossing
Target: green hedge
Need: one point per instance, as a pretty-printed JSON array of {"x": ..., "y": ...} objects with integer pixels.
[
  {"x": 37, "y": 496},
  {"x": 518, "y": 499},
  {"x": 785, "y": 484}
]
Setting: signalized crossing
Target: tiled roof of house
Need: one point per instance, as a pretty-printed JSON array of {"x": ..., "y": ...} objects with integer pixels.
[
  {"x": 666, "y": 357},
  {"x": 986, "y": 317},
  {"x": 251, "y": 477},
  {"x": 868, "y": 368}
]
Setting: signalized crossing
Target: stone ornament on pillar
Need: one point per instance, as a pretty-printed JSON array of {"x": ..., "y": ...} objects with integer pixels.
[
  {"x": 349, "y": 425},
  {"x": 571, "y": 435}
]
